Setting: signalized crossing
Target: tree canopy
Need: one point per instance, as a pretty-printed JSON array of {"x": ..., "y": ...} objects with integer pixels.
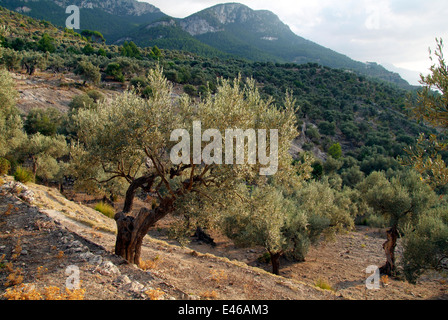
[{"x": 130, "y": 138}]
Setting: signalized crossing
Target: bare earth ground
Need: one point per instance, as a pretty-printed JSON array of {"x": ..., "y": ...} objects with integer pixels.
[
  {"x": 45, "y": 237},
  {"x": 43, "y": 90},
  {"x": 53, "y": 233}
]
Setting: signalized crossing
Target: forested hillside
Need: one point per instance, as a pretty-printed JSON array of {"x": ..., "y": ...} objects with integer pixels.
[
  {"x": 224, "y": 30},
  {"x": 339, "y": 162},
  {"x": 367, "y": 117},
  {"x": 114, "y": 23}
]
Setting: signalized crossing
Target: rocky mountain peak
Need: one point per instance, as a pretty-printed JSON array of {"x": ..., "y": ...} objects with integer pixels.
[
  {"x": 215, "y": 19},
  {"x": 231, "y": 12},
  {"x": 118, "y": 7}
]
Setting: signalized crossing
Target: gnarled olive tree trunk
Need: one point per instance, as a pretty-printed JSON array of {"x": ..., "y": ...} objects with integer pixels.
[
  {"x": 131, "y": 228},
  {"x": 131, "y": 231},
  {"x": 389, "y": 248},
  {"x": 275, "y": 261}
]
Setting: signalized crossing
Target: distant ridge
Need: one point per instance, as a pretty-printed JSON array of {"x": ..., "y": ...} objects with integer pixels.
[{"x": 224, "y": 30}]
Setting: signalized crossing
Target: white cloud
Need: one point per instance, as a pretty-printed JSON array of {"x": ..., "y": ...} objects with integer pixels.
[{"x": 393, "y": 32}]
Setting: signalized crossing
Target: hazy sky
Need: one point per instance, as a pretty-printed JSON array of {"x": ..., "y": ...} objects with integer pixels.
[{"x": 394, "y": 33}]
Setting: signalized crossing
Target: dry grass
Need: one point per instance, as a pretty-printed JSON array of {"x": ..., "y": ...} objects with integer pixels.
[
  {"x": 209, "y": 295},
  {"x": 323, "y": 284},
  {"x": 28, "y": 292},
  {"x": 150, "y": 264},
  {"x": 218, "y": 276},
  {"x": 14, "y": 278},
  {"x": 385, "y": 280},
  {"x": 17, "y": 250},
  {"x": 105, "y": 209},
  {"x": 154, "y": 294}
]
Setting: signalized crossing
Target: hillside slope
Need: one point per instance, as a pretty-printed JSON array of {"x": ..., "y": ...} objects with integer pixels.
[
  {"x": 54, "y": 233},
  {"x": 113, "y": 18},
  {"x": 42, "y": 234},
  {"x": 224, "y": 30},
  {"x": 368, "y": 118}
]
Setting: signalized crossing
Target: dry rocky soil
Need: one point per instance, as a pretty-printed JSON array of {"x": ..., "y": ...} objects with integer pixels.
[{"x": 44, "y": 237}]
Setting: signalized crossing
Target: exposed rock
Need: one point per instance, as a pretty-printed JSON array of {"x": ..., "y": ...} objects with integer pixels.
[
  {"x": 169, "y": 23},
  {"x": 18, "y": 189},
  {"x": 134, "y": 287},
  {"x": 215, "y": 19},
  {"x": 118, "y": 7},
  {"x": 107, "y": 268},
  {"x": 91, "y": 258},
  {"x": 122, "y": 280},
  {"x": 197, "y": 26},
  {"x": 23, "y": 9}
]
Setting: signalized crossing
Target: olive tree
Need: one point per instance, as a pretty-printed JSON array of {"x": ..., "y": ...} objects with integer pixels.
[
  {"x": 431, "y": 107},
  {"x": 287, "y": 222},
  {"x": 132, "y": 140},
  {"x": 262, "y": 219},
  {"x": 11, "y": 133},
  {"x": 34, "y": 60},
  {"x": 89, "y": 72},
  {"x": 426, "y": 244},
  {"x": 401, "y": 199},
  {"x": 44, "y": 153}
]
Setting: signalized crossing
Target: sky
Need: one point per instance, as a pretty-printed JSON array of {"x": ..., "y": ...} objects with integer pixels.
[{"x": 394, "y": 33}]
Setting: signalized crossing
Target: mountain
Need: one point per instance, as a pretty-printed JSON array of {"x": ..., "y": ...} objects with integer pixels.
[
  {"x": 166, "y": 33},
  {"x": 224, "y": 31},
  {"x": 255, "y": 35},
  {"x": 260, "y": 35},
  {"x": 113, "y": 18}
]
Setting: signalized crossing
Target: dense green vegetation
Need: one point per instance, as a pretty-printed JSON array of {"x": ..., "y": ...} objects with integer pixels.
[
  {"x": 253, "y": 35},
  {"x": 112, "y": 26},
  {"x": 354, "y": 129}
]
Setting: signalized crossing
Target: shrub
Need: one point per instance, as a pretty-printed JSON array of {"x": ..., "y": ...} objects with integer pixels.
[
  {"x": 172, "y": 75},
  {"x": 190, "y": 90},
  {"x": 88, "y": 50},
  {"x": 5, "y": 166},
  {"x": 130, "y": 49},
  {"x": 138, "y": 82},
  {"x": 46, "y": 122},
  {"x": 147, "y": 92},
  {"x": 95, "y": 95},
  {"x": 102, "y": 52},
  {"x": 320, "y": 283},
  {"x": 89, "y": 72},
  {"x": 23, "y": 175},
  {"x": 46, "y": 44},
  {"x": 156, "y": 53},
  {"x": 313, "y": 134},
  {"x": 114, "y": 70},
  {"x": 105, "y": 209},
  {"x": 335, "y": 151},
  {"x": 318, "y": 170},
  {"x": 376, "y": 221},
  {"x": 82, "y": 101},
  {"x": 327, "y": 128},
  {"x": 8, "y": 93},
  {"x": 352, "y": 176},
  {"x": 264, "y": 258},
  {"x": 425, "y": 246},
  {"x": 332, "y": 165}
]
